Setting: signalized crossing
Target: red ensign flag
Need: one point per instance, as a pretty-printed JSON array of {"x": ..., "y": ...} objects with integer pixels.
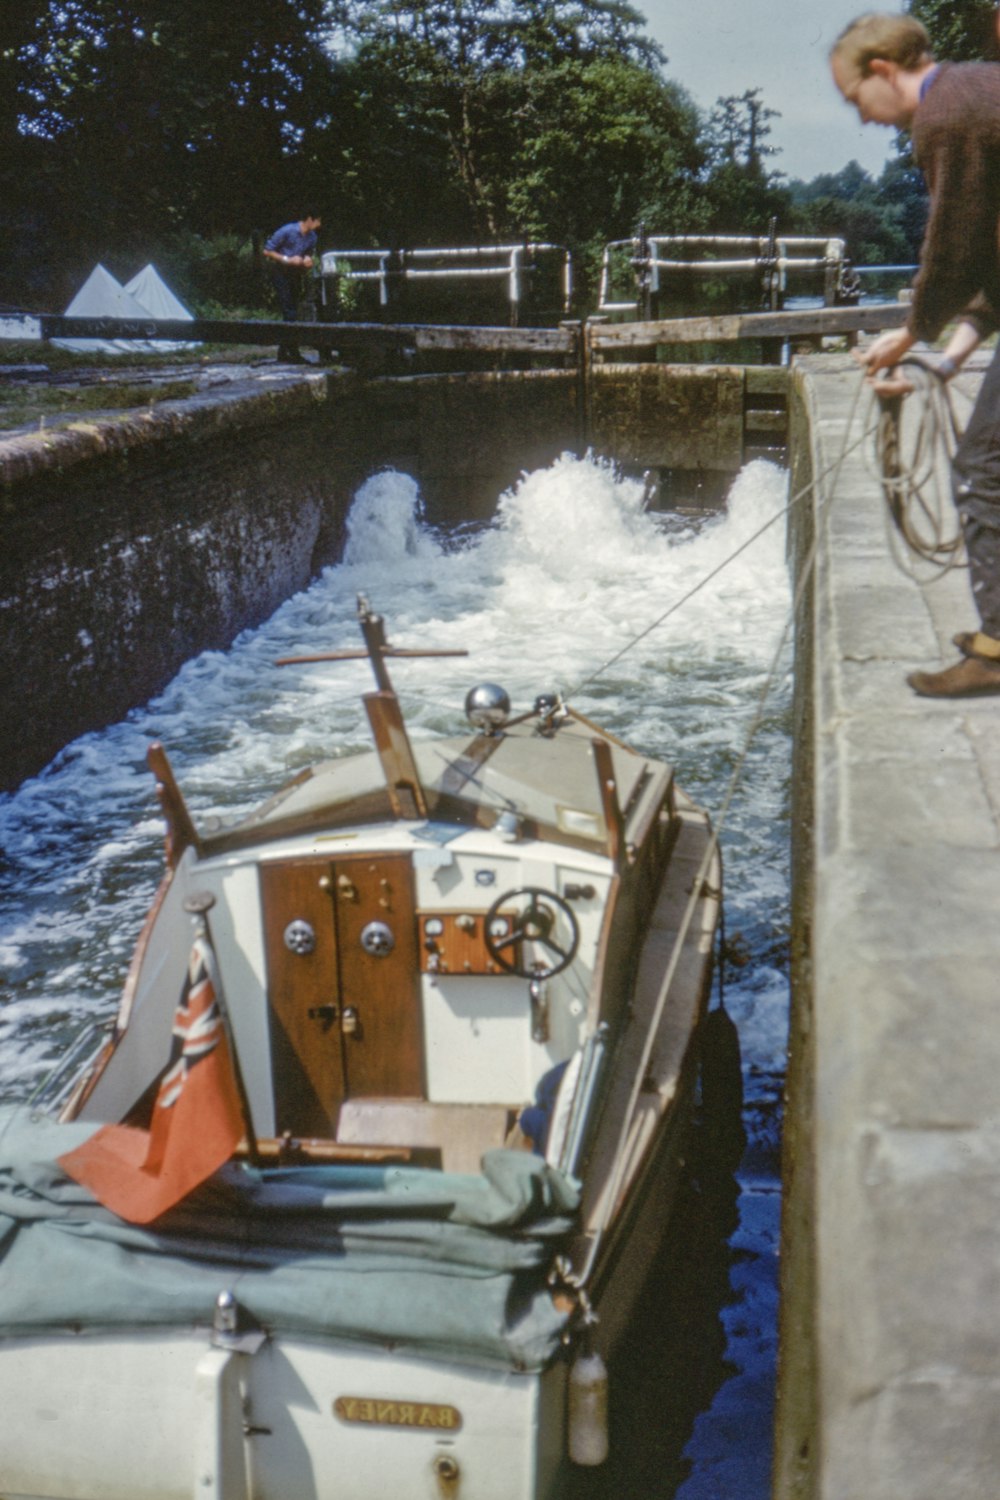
[{"x": 197, "y": 1121}]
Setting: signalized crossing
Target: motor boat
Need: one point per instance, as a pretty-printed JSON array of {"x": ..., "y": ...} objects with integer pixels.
[{"x": 356, "y": 1194}]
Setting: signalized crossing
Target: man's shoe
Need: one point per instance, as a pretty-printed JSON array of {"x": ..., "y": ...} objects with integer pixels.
[
  {"x": 976, "y": 643},
  {"x": 972, "y": 677}
]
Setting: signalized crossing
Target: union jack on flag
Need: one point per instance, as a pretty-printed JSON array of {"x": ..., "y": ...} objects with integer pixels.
[
  {"x": 197, "y": 1120},
  {"x": 197, "y": 1026}
]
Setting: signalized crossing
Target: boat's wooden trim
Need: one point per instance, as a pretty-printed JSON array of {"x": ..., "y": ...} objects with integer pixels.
[
  {"x": 608, "y": 788},
  {"x": 397, "y": 651},
  {"x": 289, "y": 1150},
  {"x": 597, "y": 731},
  {"x": 600, "y": 970},
  {"x": 639, "y": 829},
  {"x": 618, "y": 1157},
  {"x": 629, "y": 1247},
  {"x": 86, "y": 1085}
]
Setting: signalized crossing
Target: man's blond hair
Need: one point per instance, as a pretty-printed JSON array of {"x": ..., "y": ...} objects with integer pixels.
[{"x": 896, "y": 38}]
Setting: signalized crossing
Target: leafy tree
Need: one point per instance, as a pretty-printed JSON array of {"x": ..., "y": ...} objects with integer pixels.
[
  {"x": 169, "y": 129},
  {"x": 961, "y": 30},
  {"x": 738, "y": 130},
  {"x": 468, "y": 68},
  {"x": 743, "y": 194},
  {"x": 881, "y": 220},
  {"x": 157, "y": 116},
  {"x": 849, "y": 183},
  {"x": 603, "y": 145}
]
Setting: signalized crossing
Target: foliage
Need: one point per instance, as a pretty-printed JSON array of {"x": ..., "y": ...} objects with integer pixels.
[
  {"x": 602, "y": 144},
  {"x": 960, "y": 30},
  {"x": 472, "y": 77},
  {"x": 882, "y": 220},
  {"x": 141, "y": 118},
  {"x": 738, "y": 129},
  {"x": 743, "y": 196}
]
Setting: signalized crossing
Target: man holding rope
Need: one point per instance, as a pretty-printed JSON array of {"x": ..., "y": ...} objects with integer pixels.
[{"x": 882, "y": 64}]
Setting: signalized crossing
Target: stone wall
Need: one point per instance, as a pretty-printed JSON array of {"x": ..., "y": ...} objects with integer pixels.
[{"x": 131, "y": 543}]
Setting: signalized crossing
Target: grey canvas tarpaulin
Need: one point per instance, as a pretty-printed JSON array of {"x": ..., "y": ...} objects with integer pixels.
[{"x": 453, "y": 1266}]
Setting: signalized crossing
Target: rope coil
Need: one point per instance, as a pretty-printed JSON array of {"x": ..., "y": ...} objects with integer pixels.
[{"x": 912, "y": 463}]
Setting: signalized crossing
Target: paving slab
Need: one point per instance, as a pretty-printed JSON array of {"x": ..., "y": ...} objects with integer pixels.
[{"x": 890, "y": 1361}]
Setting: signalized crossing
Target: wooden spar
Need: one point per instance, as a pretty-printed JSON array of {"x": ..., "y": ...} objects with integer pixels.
[
  {"x": 399, "y": 651},
  {"x": 180, "y": 833},
  {"x": 287, "y": 1149},
  {"x": 402, "y": 779}
]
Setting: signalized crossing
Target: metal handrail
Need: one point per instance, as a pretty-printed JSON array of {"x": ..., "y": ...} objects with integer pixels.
[
  {"x": 57, "y": 1086},
  {"x": 406, "y": 264},
  {"x": 772, "y": 256}
]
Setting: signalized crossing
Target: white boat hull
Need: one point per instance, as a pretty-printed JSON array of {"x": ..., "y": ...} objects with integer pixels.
[{"x": 170, "y": 1417}]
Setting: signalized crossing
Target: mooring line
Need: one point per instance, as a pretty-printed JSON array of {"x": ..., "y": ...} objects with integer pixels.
[{"x": 712, "y": 847}]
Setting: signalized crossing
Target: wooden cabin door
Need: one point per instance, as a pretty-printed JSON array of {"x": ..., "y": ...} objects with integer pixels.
[{"x": 343, "y": 985}]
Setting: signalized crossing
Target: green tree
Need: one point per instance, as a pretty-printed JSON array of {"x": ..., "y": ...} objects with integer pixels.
[
  {"x": 603, "y": 145},
  {"x": 961, "y": 30},
  {"x": 161, "y": 114},
  {"x": 467, "y": 66},
  {"x": 881, "y": 220},
  {"x": 738, "y": 129},
  {"x": 743, "y": 194}
]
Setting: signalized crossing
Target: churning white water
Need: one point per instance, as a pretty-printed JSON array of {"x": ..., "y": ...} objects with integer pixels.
[{"x": 571, "y": 571}]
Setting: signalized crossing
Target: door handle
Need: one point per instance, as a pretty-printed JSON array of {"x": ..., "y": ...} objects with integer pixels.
[
  {"x": 350, "y": 1023},
  {"x": 325, "y": 1014}
]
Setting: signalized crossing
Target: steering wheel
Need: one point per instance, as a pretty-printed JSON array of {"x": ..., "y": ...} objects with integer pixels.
[{"x": 534, "y": 920}]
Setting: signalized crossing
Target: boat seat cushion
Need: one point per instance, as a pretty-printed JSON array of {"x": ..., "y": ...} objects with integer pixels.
[{"x": 462, "y": 1132}]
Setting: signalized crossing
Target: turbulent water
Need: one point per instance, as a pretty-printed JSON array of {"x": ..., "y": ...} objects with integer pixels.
[{"x": 573, "y": 569}]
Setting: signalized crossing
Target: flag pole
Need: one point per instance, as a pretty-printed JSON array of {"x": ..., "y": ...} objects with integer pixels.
[{"x": 198, "y": 905}]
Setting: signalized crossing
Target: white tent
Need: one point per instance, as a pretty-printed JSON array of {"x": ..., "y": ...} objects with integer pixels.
[
  {"x": 151, "y": 291},
  {"x": 101, "y": 296}
]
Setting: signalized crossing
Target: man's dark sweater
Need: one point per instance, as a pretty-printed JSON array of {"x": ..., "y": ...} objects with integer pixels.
[{"x": 956, "y": 144}]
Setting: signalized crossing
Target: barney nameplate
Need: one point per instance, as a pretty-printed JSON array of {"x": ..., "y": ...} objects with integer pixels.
[{"x": 375, "y": 1412}]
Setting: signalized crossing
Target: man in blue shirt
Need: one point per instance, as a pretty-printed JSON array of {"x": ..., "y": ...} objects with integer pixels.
[{"x": 290, "y": 252}]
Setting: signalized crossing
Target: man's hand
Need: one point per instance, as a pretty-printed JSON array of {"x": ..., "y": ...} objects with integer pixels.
[
  {"x": 887, "y": 350},
  {"x": 890, "y": 385}
]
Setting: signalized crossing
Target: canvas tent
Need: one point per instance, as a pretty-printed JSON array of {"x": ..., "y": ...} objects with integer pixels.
[
  {"x": 151, "y": 291},
  {"x": 102, "y": 296}
]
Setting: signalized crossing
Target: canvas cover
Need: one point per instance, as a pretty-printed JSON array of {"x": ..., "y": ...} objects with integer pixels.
[
  {"x": 103, "y": 296},
  {"x": 445, "y": 1265}
]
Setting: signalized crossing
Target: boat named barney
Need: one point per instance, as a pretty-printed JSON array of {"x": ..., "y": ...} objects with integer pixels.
[{"x": 357, "y": 1194}]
